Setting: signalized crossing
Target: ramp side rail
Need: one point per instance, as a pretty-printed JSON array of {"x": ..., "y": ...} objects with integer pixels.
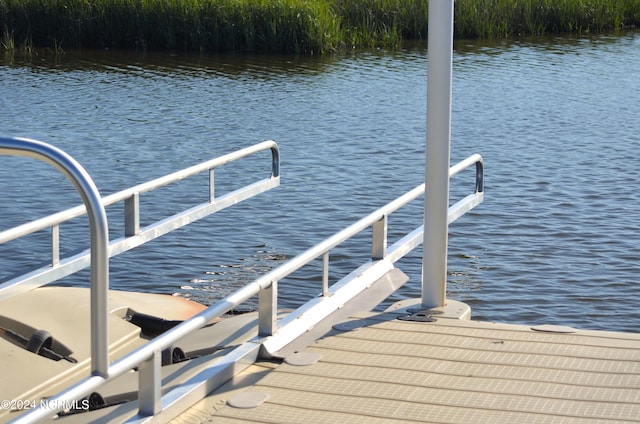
[
  {"x": 134, "y": 235},
  {"x": 273, "y": 333}
]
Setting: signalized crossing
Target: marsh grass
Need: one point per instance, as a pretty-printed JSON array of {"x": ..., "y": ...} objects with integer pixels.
[
  {"x": 7, "y": 43},
  {"x": 508, "y": 18},
  {"x": 185, "y": 25},
  {"x": 9, "y": 48},
  {"x": 298, "y": 26},
  {"x": 372, "y": 23}
]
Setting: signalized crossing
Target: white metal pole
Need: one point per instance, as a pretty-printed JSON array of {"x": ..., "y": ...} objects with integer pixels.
[{"x": 436, "y": 200}]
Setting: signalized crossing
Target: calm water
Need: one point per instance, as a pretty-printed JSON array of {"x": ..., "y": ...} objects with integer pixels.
[{"x": 557, "y": 120}]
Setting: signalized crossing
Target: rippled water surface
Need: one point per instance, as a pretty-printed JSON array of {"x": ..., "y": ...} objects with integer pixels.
[{"x": 556, "y": 241}]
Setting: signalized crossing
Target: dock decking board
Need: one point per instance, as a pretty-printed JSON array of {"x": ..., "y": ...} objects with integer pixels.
[{"x": 454, "y": 371}]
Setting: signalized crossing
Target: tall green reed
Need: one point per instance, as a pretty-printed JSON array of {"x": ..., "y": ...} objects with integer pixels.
[
  {"x": 301, "y": 26},
  {"x": 509, "y": 18},
  {"x": 185, "y": 25},
  {"x": 374, "y": 23}
]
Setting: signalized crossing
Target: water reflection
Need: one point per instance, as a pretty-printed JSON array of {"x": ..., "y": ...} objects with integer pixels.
[{"x": 153, "y": 64}]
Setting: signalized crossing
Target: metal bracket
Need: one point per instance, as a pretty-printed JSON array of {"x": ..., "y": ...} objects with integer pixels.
[{"x": 420, "y": 316}]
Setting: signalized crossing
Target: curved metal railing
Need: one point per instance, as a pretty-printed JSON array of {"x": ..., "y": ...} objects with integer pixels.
[{"x": 99, "y": 236}]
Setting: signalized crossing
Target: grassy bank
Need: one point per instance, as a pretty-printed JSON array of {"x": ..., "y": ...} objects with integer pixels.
[
  {"x": 508, "y": 18},
  {"x": 182, "y": 25},
  {"x": 301, "y": 26}
]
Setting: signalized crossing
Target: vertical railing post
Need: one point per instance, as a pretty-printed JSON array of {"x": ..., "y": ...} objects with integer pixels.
[
  {"x": 55, "y": 245},
  {"x": 379, "y": 238},
  {"x": 268, "y": 310},
  {"x": 436, "y": 201},
  {"x": 212, "y": 185},
  {"x": 149, "y": 385},
  {"x": 132, "y": 215},
  {"x": 325, "y": 274}
]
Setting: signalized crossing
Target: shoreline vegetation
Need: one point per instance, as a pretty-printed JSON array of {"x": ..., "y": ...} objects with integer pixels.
[{"x": 287, "y": 26}]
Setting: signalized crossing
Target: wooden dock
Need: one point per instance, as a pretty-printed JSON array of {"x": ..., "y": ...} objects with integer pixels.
[{"x": 377, "y": 368}]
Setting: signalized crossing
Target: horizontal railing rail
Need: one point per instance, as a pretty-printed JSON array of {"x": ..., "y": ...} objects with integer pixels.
[
  {"x": 134, "y": 234},
  {"x": 147, "y": 357}
]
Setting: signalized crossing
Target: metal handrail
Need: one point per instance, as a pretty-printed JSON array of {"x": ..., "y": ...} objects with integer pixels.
[
  {"x": 147, "y": 357},
  {"x": 134, "y": 235},
  {"x": 66, "y": 215},
  {"x": 99, "y": 237},
  {"x": 378, "y": 220}
]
